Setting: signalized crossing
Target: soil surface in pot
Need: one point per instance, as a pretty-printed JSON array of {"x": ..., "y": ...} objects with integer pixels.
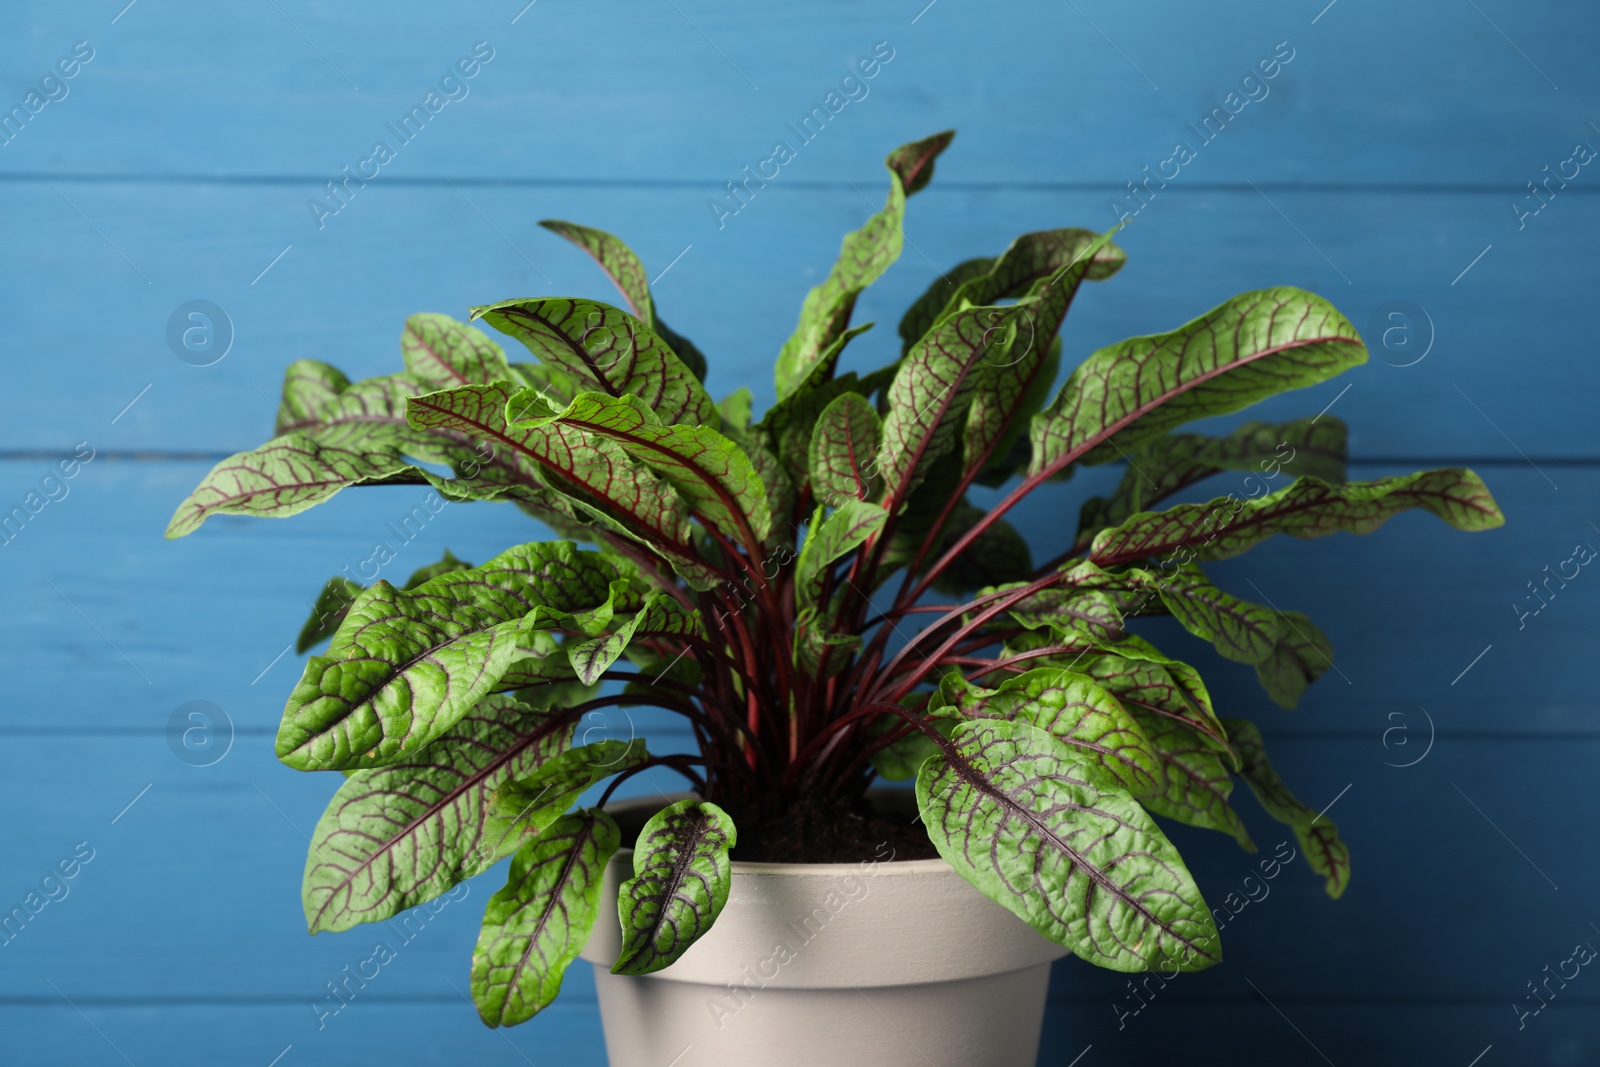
[{"x": 817, "y": 831}]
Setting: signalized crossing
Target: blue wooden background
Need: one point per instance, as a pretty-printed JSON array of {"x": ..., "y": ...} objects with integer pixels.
[{"x": 1382, "y": 166}]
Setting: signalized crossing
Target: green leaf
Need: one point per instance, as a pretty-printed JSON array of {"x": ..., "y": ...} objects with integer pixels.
[
  {"x": 327, "y": 612},
  {"x": 540, "y": 921},
  {"x": 1074, "y": 615},
  {"x": 1147, "y": 682},
  {"x": 608, "y": 350},
  {"x": 661, "y": 616},
  {"x": 627, "y": 273},
  {"x": 333, "y": 603},
  {"x": 446, "y": 353},
  {"x": 844, "y": 444},
  {"x": 311, "y": 390},
  {"x": 1164, "y": 465},
  {"x": 284, "y": 477},
  {"x": 1252, "y": 347},
  {"x": 527, "y": 806},
  {"x": 1299, "y": 657},
  {"x": 1074, "y": 710},
  {"x": 1240, "y": 631},
  {"x": 977, "y": 351},
  {"x": 863, "y": 257},
  {"x": 929, "y": 308},
  {"x": 789, "y": 423},
  {"x": 901, "y": 759},
  {"x": 829, "y": 539},
  {"x": 781, "y": 495},
  {"x": 356, "y": 435},
  {"x": 680, "y": 883},
  {"x": 1226, "y": 527},
  {"x": 1195, "y": 783},
  {"x": 398, "y": 836},
  {"x": 595, "y": 473},
  {"x": 1060, "y": 843},
  {"x": 1328, "y": 855},
  {"x": 735, "y": 409},
  {"x": 406, "y": 665},
  {"x": 709, "y": 471}
]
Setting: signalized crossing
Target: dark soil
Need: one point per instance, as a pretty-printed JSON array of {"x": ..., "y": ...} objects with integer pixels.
[{"x": 832, "y": 832}]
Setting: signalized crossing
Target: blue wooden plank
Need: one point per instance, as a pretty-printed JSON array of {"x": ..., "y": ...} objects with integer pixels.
[
  {"x": 1508, "y": 369},
  {"x": 1104, "y": 90}
]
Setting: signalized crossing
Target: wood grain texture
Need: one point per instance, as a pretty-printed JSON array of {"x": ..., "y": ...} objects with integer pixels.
[{"x": 1382, "y": 166}]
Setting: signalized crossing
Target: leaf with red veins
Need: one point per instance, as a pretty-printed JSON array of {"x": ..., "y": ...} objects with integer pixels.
[
  {"x": 1147, "y": 682},
  {"x": 1329, "y": 856},
  {"x": 1299, "y": 657},
  {"x": 716, "y": 479},
  {"x": 681, "y": 877},
  {"x": 1251, "y": 347},
  {"x": 593, "y": 472},
  {"x": 1073, "y": 709},
  {"x": 395, "y": 837},
  {"x": 608, "y": 350},
  {"x": 445, "y": 353},
  {"x": 1061, "y": 844},
  {"x": 844, "y": 444},
  {"x": 995, "y": 353},
  {"x": 1163, "y": 465},
  {"x": 863, "y": 257},
  {"x": 406, "y": 665},
  {"x": 311, "y": 389},
  {"x": 535, "y": 927},
  {"x": 1309, "y": 508},
  {"x": 1240, "y": 631},
  {"x": 930, "y": 307},
  {"x": 627, "y": 273},
  {"x": 1195, "y": 783}
]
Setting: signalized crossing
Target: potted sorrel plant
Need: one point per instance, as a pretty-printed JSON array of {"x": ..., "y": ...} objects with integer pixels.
[{"x": 781, "y": 910}]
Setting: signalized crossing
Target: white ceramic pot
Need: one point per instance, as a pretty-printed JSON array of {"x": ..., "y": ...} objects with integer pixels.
[{"x": 893, "y": 964}]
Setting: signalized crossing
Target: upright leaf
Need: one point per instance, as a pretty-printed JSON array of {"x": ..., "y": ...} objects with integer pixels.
[
  {"x": 681, "y": 878},
  {"x": 829, "y": 538},
  {"x": 609, "y": 350},
  {"x": 929, "y": 308},
  {"x": 1328, "y": 855},
  {"x": 540, "y": 921},
  {"x": 627, "y": 273},
  {"x": 1252, "y": 347},
  {"x": 863, "y": 257},
  {"x": 1227, "y": 527},
  {"x": 1060, "y": 843},
  {"x": 398, "y": 836},
  {"x": 844, "y": 445},
  {"x": 977, "y": 351}
]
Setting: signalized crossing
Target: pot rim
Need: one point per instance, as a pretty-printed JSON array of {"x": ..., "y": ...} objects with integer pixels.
[{"x": 769, "y": 869}]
